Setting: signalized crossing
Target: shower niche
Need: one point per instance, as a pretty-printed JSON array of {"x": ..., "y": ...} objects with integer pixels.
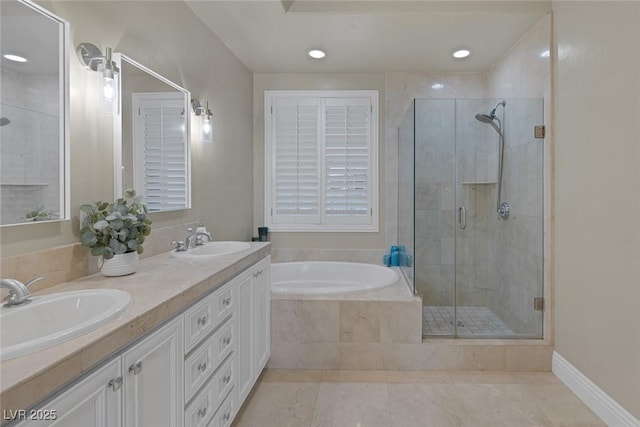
[{"x": 471, "y": 207}]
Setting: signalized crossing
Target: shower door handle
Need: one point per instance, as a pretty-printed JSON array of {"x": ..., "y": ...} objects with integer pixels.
[{"x": 462, "y": 218}]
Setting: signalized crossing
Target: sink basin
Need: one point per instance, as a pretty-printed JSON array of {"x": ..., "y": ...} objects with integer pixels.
[
  {"x": 212, "y": 249},
  {"x": 51, "y": 319}
]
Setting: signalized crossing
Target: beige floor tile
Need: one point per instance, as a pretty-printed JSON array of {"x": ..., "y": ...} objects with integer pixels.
[
  {"x": 280, "y": 404},
  {"x": 499, "y": 405},
  {"x": 425, "y": 404},
  {"x": 292, "y": 376},
  {"x": 341, "y": 376},
  {"x": 335, "y": 398},
  {"x": 352, "y": 404},
  {"x": 418, "y": 377},
  {"x": 497, "y": 377}
]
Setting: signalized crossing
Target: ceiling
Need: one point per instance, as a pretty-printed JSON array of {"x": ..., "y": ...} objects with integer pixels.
[{"x": 368, "y": 36}]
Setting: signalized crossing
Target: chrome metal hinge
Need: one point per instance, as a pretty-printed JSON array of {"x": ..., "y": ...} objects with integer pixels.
[
  {"x": 539, "y": 131},
  {"x": 538, "y": 304}
]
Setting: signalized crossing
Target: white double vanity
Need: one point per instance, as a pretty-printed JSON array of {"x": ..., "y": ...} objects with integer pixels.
[{"x": 199, "y": 341}]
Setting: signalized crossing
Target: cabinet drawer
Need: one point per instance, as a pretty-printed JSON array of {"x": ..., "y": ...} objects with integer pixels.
[
  {"x": 205, "y": 359},
  {"x": 206, "y": 315},
  {"x": 200, "y": 411},
  {"x": 224, "y": 416}
]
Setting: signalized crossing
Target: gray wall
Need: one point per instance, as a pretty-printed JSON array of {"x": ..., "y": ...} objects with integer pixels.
[
  {"x": 170, "y": 39},
  {"x": 597, "y": 194}
]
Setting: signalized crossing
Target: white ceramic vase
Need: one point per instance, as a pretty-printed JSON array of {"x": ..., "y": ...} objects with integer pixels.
[{"x": 120, "y": 265}]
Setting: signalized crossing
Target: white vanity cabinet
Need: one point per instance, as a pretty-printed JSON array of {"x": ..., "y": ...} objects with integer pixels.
[
  {"x": 94, "y": 401},
  {"x": 152, "y": 379},
  {"x": 254, "y": 314},
  {"x": 142, "y": 387},
  {"x": 195, "y": 370}
]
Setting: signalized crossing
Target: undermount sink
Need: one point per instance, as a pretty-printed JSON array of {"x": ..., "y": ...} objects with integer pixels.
[
  {"x": 211, "y": 250},
  {"x": 51, "y": 319}
]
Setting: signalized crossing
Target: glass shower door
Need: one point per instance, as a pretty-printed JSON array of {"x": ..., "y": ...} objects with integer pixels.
[
  {"x": 498, "y": 222},
  {"x": 435, "y": 139}
]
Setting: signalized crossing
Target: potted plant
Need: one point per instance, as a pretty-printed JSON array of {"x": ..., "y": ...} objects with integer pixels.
[{"x": 115, "y": 232}]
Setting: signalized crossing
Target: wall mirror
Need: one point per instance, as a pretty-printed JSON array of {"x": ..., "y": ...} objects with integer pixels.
[
  {"x": 151, "y": 138},
  {"x": 34, "y": 114}
]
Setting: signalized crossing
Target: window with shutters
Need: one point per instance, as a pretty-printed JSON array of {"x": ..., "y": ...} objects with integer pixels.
[
  {"x": 160, "y": 152},
  {"x": 321, "y": 160}
]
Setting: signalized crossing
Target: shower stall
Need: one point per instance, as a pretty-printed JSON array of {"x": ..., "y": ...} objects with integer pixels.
[{"x": 471, "y": 214}]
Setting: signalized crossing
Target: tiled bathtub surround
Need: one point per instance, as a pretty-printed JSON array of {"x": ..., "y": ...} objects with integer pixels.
[
  {"x": 347, "y": 331},
  {"x": 382, "y": 330}
]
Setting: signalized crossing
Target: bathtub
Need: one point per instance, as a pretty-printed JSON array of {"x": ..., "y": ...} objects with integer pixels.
[{"x": 328, "y": 277}]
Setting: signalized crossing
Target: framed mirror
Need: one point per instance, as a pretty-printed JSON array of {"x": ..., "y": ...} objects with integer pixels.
[
  {"x": 34, "y": 114},
  {"x": 151, "y": 138}
]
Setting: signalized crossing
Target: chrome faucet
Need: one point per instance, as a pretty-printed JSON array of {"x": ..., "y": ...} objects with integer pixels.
[
  {"x": 195, "y": 238},
  {"x": 18, "y": 292}
]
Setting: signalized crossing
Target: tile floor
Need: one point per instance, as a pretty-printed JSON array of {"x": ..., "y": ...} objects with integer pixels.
[
  {"x": 290, "y": 398},
  {"x": 438, "y": 320}
]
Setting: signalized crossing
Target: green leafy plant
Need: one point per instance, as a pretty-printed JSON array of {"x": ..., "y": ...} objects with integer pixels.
[
  {"x": 115, "y": 228},
  {"x": 39, "y": 214}
]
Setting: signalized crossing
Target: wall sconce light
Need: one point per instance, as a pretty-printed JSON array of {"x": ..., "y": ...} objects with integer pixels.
[
  {"x": 93, "y": 59},
  {"x": 206, "y": 120}
]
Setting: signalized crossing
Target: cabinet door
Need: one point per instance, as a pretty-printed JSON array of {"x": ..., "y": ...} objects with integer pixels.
[
  {"x": 262, "y": 311},
  {"x": 153, "y": 379},
  {"x": 245, "y": 341},
  {"x": 93, "y": 402}
]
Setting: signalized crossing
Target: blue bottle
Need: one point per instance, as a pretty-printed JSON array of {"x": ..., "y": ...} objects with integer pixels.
[
  {"x": 387, "y": 260},
  {"x": 395, "y": 255},
  {"x": 402, "y": 256}
]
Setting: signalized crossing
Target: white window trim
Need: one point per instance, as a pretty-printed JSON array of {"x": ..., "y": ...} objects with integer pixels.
[{"x": 269, "y": 97}]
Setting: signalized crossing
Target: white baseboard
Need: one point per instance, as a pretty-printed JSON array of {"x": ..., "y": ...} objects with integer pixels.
[{"x": 593, "y": 396}]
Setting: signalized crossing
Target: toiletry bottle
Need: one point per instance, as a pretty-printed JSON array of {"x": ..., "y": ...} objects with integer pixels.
[
  {"x": 402, "y": 256},
  {"x": 395, "y": 257}
]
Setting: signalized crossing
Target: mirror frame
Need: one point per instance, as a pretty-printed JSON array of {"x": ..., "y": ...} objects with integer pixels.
[
  {"x": 119, "y": 57},
  {"x": 64, "y": 146}
]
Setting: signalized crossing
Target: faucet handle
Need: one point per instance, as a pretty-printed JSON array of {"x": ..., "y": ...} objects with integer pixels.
[
  {"x": 179, "y": 245},
  {"x": 34, "y": 280}
]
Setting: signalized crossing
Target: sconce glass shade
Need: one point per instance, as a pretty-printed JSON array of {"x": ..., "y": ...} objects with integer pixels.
[
  {"x": 205, "y": 121},
  {"x": 207, "y": 127},
  {"x": 108, "y": 82}
]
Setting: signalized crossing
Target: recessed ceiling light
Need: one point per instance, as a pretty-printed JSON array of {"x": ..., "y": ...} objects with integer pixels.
[
  {"x": 461, "y": 53},
  {"x": 545, "y": 54},
  {"x": 317, "y": 54},
  {"x": 15, "y": 58},
  {"x": 437, "y": 86}
]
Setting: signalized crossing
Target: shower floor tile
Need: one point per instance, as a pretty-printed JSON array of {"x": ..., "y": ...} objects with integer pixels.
[{"x": 438, "y": 320}]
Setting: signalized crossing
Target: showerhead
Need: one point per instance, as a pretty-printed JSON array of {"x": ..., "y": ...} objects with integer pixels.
[
  {"x": 484, "y": 118},
  {"x": 4, "y": 121}
]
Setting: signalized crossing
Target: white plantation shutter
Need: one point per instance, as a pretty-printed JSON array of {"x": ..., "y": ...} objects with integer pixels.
[
  {"x": 160, "y": 150},
  {"x": 321, "y": 160},
  {"x": 347, "y": 152},
  {"x": 296, "y": 166}
]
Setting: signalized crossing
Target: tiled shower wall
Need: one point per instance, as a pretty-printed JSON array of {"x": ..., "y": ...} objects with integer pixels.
[{"x": 29, "y": 171}]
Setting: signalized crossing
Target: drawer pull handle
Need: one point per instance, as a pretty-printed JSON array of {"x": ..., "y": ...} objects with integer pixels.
[
  {"x": 226, "y": 379},
  {"x": 202, "y": 367},
  {"x": 202, "y": 412},
  {"x": 226, "y": 341},
  {"x": 136, "y": 368},
  {"x": 226, "y": 301},
  {"x": 202, "y": 321},
  {"x": 115, "y": 383},
  {"x": 226, "y": 417}
]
